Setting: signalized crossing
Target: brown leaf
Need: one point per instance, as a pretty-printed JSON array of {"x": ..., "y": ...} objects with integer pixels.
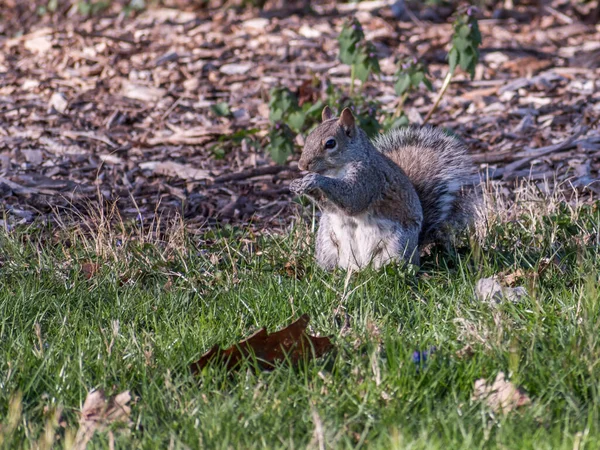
[
  {"x": 89, "y": 269},
  {"x": 512, "y": 278},
  {"x": 291, "y": 342},
  {"x": 502, "y": 396},
  {"x": 294, "y": 269},
  {"x": 97, "y": 414}
]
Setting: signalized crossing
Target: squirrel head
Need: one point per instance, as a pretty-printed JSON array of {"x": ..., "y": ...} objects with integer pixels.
[{"x": 329, "y": 146}]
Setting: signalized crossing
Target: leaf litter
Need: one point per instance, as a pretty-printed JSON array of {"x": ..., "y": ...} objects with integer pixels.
[{"x": 144, "y": 88}]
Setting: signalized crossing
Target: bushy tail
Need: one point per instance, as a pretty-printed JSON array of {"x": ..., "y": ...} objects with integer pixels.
[{"x": 441, "y": 172}]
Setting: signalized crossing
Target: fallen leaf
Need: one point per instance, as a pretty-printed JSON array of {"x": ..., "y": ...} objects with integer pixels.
[
  {"x": 89, "y": 269},
  {"x": 465, "y": 352},
  {"x": 502, "y": 396},
  {"x": 58, "y": 102},
  {"x": 491, "y": 291},
  {"x": 290, "y": 343},
  {"x": 511, "y": 278},
  {"x": 173, "y": 169},
  {"x": 98, "y": 413},
  {"x": 38, "y": 44},
  {"x": 294, "y": 270},
  {"x": 141, "y": 92}
]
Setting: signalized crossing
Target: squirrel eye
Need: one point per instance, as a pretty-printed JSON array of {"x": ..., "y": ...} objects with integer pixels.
[{"x": 330, "y": 144}]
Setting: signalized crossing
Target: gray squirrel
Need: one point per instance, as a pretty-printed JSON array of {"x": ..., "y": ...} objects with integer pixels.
[{"x": 383, "y": 200}]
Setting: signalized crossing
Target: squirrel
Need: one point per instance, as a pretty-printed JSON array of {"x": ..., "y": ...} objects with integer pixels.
[{"x": 381, "y": 201}]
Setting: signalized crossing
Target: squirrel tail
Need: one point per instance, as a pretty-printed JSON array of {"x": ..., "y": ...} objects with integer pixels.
[{"x": 439, "y": 168}]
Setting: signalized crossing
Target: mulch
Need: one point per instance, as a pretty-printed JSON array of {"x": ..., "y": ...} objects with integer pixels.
[{"x": 119, "y": 109}]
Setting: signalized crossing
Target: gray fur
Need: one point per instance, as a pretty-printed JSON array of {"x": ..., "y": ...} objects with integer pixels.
[
  {"x": 440, "y": 169},
  {"x": 378, "y": 206}
]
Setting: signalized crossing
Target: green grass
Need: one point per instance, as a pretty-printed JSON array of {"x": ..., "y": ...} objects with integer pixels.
[{"x": 174, "y": 296}]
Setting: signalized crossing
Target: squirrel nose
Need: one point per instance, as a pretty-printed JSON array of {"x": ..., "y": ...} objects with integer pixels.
[{"x": 302, "y": 165}]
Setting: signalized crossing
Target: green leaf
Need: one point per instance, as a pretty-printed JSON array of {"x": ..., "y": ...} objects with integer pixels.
[
  {"x": 362, "y": 71},
  {"x": 275, "y": 115},
  {"x": 460, "y": 43},
  {"x": 453, "y": 59},
  {"x": 416, "y": 79},
  {"x": 402, "y": 84},
  {"x": 296, "y": 121},
  {"x": 464, "y": 31},
  {"x": 428, "y": 84},
  {"x": 313, "y": 110},
  {"x": 221, "y": 109},
  {"x": 401, "y": 121}
]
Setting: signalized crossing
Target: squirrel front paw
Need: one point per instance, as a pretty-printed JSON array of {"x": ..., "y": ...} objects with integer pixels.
[{"x": 305, "y": 185}]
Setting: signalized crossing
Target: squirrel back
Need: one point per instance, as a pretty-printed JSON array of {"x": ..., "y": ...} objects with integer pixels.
[{"x": 440, "y": 170}]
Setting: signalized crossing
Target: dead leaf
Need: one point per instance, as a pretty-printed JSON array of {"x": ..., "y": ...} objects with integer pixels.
[
  {"x": 465, "y": 352},
  {"x": 98, "y": 414},
  {"x": 290, "y": 343},
  {"x": 294, "y": 270},
  {"x": 491, "y": 291},
  {"x": 512, "y": 278},
  {"x": 89, "y": 269},
  {"x": 58, "y": 102},
  {"x": 173, "y": 169},
  {"x": 502, "y": 396},
  {"x": 38, "y": 44},
  {"x": 141, "y": 92}
]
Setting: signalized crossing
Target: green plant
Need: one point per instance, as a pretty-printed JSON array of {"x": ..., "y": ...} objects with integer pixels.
[
  {"x": 358, "y": 53},
  {"x": 223, "y": 144},
  {"x": 221, "y": 109},
  {"x": 365, "y": 111},
  {"x": 287, "y": 119},
  {"x": 410, "y": 75},
  {"x": 281, "y": 142},
  {"x": 90, "y": 8},
  {"x": 464, "y": 52}
]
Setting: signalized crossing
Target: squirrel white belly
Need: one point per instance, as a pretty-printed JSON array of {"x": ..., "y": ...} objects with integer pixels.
[{"x": 380, "y": 201}]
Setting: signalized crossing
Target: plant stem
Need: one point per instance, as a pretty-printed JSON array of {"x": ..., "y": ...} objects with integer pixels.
[
  {"x": 400, "y": 106},
  {"x": 440, "y": 95},
  {"x": 352, "y": 76}
]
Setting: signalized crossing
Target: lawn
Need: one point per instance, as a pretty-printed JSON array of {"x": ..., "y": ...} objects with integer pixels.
[{"x": 118, "y": 308}]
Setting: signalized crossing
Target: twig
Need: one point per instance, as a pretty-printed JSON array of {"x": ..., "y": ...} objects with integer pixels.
[
  {"x": 250, "y": 173},
  {"x": 536, "y": 153},
  {"x": 112, "y": 38}
]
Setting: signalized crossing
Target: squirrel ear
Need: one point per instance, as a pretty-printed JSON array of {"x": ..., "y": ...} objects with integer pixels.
[
  {"x": 326, "y": 114},
  {"x": 347, "y": 121}
]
